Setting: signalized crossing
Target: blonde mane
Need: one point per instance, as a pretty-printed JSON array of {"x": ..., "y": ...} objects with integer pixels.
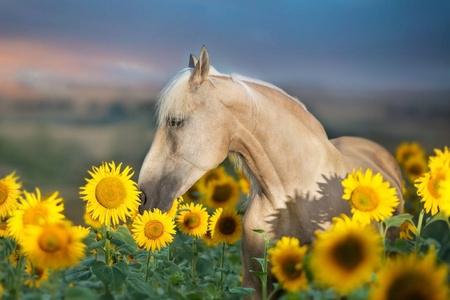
[{"x": 171, "y": 102}]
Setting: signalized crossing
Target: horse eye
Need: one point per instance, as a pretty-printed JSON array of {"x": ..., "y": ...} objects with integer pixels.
[{"x": 174, "y": 122}]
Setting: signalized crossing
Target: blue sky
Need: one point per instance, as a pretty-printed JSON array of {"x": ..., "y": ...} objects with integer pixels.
[{"x": 72, "y": 47}]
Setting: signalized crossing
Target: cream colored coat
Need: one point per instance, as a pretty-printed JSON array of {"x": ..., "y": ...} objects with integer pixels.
[{"x": 296, "y": 170}]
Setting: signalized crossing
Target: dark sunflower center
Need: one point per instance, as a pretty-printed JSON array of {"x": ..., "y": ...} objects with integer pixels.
[
  {"x": 416, "y": 169},
  {"x": 409, "y": 286},
  {"x": 292, "y": 267},
  {"x": 227, "y": 225},
  {"x": 191, "y": 220},
  {"x": 222, "y": 193},
  {"x": 348, "y": 254},
  {"x": 3, "y": 226}
]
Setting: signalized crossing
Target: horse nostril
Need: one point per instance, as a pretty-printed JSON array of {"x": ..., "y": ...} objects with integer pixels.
[{"x": 143, "y": 198}]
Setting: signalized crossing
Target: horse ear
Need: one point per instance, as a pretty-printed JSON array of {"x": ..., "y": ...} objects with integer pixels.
[
  {"x": 201, "y": 70},
  {"x": 192, "y": 61}
]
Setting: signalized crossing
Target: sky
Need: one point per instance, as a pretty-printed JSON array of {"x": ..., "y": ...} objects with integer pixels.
[{"x": 92, "y": 49}]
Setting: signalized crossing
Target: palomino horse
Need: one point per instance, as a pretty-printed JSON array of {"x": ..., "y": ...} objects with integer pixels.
[{"x": 296, "y": 171}]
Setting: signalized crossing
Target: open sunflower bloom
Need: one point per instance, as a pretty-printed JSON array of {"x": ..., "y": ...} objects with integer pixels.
[
  {"x": 9, "y": 193},
  {"x": 345, "y": 256},
  {"x": 153, "y": 230},
  {"x": 286, "y": 259},
  {"x": 110, "y": 194},
  {"x": 370, "y": 197},
  {"x": 412, "y": 277},
  {"x": 193, "y": 219},
  {"x": 225, "y": 226},
  {"x": 33, "y": 210},
  {"x": 55, "y": 246},
  {"x": 434, "y": 186}
]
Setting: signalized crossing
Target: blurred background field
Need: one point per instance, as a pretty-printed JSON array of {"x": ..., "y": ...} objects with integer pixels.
[
  {"x": 53, "y": 148},
  {"x": 78, "y": 81}
]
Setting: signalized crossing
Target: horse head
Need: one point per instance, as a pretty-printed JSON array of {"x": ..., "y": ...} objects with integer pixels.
[{"x": 191, "y": 138}]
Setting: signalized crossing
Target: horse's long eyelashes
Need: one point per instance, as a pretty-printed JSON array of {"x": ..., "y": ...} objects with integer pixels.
[{"x": 172, "y": 122}]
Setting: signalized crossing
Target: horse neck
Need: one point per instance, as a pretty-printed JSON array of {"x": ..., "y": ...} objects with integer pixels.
[{"x": 284, "y": 146}]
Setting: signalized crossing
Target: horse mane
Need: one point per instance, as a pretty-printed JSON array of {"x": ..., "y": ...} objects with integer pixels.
[{"x": 171, "y": 102}]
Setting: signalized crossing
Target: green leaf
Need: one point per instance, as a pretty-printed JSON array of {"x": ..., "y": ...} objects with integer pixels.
[
  {"x": 77, "y": 274},
  {"x": 96, "y": 245},
  {"x": 438, "y": 217},
  {"x": 120, "y": 273},
  {"x": 396, "y": 221},
  {"x": 259, "y": 273},
  {"x": 261, "y": 231},
  {"x": 79, "y": 293},
  {"x": 97, "y": 268},
  {"x": 242, "y": 291},
  {"x": 122, "y": 233},
  {"x": 260, "y": 260},
  {"x": 126, "y": 249}
]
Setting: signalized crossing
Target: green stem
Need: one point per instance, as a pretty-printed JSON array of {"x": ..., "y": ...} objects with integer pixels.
[
  {"x": 266, "y": 261},
  {"x": 194, "y": 257},
  {"x": 108, "y": 228},
  {"x": 418, "y": 229},
  {"x": 19, "y": 274},
  {"x": 222, "y": 260},
  {"x": 383, "y": 237},
  {"x": 148, "y": 265}
]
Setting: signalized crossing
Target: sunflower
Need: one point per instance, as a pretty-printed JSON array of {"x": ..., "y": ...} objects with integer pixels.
[
  {"x": 14, "y": 256},
  {"x": 222, "y": 193},
  {"x": 40, "y": 275},
  {"x": 370, "y": 198},
  {"x": 406, "y": 230},
  {"x": 55, "y": 246},
  {"x": 441, "y": 157},
  {"x": 345, "y": 256},
  {"x": 33, "y": 210},
  {"x": 9, "y": 192},
  {"x": 429, "y": 187},
  {"x": 287, "y": 264},
  {"x": 193, "y": 219},
  {"x": 89, "y": 221},
  {"x": 174, "y": 209},
  {"x": 207, "y": 239},
  {"x": 193, "y": 194},
  {"x": 3, "y": 228},
  {"x": 407, "y": 150},
  {"x": 415, "y": 167},
  {"x": 153, "y": 230},
  {"x": 226, "y": 225},
  {"x": 412, "y": 277},
  {"x": 110, "y": 194}
]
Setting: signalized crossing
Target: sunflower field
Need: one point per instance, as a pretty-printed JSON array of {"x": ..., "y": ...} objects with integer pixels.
[{"x": 193, "y": 250}]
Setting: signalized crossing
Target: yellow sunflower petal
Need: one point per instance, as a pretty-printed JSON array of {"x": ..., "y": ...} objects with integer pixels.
[
  {"x": 193, "y": 219},
  {"x": 153, "y": 230},
  {"x": 370, "y": 198},
  {"x": 411, "y": 277},
  {"x": 225, "y": 225},
  {"x": 9, "y": 194},
  {"x": 33, "y": 210},
  {"x": 286, "y": 259},
  {"x": 110, "y": 194},
  {"x": 345, "y": 256},
  {"x": 54, "y": 246}
]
